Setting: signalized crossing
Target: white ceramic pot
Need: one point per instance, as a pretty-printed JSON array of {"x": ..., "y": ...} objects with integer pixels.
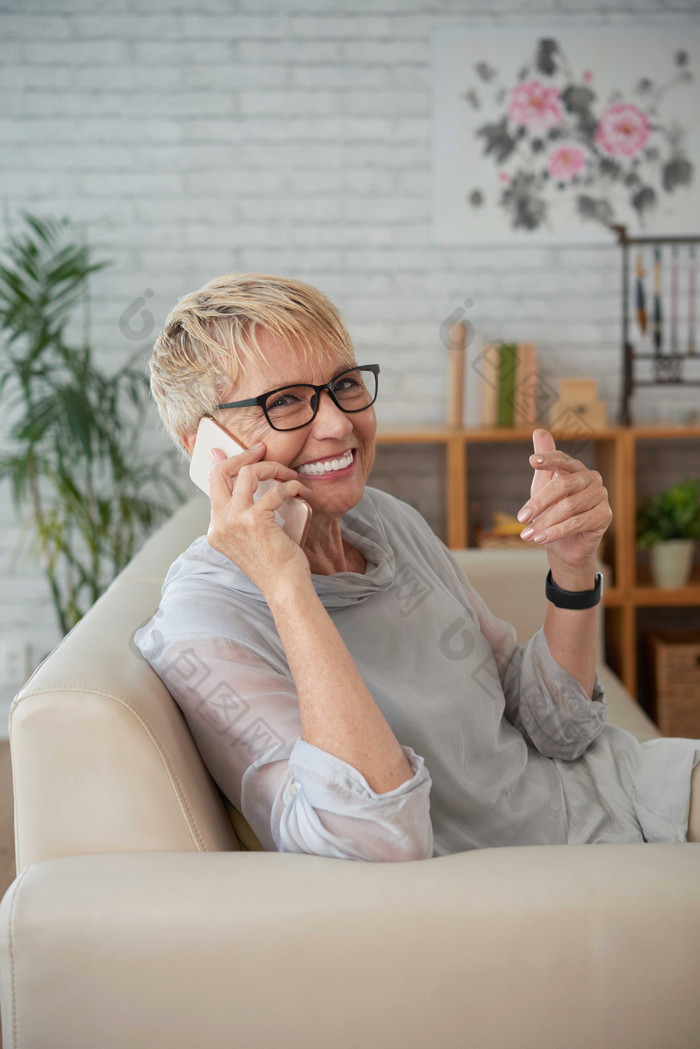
[{"x": 672, "y": 561}]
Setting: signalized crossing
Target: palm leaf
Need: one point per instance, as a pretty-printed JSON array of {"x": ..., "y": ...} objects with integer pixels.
[{"x": 73, "y": 454}]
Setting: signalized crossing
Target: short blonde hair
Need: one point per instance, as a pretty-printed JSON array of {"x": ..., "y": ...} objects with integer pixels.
[{"x": 210, "y": 338}]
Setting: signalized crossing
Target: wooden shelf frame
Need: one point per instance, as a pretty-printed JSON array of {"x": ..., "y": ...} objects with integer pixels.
[{"x": 616, "y": 454}]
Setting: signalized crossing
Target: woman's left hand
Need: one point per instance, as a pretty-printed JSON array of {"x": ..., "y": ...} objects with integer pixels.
[{"x": 568, "y": 507}]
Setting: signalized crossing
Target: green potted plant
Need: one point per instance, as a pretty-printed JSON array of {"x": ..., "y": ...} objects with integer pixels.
[
  {"x": 70, "y": 432},
  {"x": 668, "y": 525}
]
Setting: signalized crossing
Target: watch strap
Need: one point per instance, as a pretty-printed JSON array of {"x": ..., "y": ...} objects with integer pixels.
[{"x": 575, "y": 599}]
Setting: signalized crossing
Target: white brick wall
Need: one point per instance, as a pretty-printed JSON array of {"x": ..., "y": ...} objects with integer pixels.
[{"x": 291, "y": 137}]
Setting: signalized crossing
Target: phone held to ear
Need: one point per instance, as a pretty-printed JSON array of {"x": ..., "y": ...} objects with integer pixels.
[{"x": 294, "y": 515}]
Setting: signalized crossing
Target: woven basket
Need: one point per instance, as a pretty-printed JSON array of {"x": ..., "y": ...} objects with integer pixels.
[{"x": 676, "y": 661}]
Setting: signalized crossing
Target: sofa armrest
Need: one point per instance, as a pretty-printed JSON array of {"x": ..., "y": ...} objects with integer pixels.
[
  {"x": 102, "y": 758},
  {"x": 531, "y": 947}
]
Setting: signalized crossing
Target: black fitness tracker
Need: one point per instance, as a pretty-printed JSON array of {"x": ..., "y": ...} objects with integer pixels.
[{"x": 576, "y": 599}]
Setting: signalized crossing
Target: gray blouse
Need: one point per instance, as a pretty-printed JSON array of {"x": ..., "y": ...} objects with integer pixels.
[{"x": 505, "y": 746}]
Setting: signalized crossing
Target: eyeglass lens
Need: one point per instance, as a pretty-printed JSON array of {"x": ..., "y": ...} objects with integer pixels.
[{"x": 296, "y": 405}]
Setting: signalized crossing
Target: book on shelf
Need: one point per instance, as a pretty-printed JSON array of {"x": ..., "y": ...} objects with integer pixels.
[
  {"x": 509, "y": 385},
  {"x": 488, "y": 370},
  {"x": 526, "y": 386},
  {"x": 507, "y": 363},
  {"x": 456, "y": 363}
]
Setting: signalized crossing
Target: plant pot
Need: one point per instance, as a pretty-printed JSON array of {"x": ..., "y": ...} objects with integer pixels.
[{"x": 672, "y": 561}]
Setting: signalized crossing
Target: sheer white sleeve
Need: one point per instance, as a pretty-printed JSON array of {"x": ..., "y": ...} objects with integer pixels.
[
  {"x": 245, "y": 720},
  {"x": 546, "y": 703}
]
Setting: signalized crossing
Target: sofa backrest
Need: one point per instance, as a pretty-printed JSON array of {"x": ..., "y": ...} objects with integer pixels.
[{"x": 511, "y": 583}]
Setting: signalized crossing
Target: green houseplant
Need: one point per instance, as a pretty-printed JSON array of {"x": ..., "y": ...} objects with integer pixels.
[
  {"x": 71, "y": 432},
  {"x": 668, "y": 525}
]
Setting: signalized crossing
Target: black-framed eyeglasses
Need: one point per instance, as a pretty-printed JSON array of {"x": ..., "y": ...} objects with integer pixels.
[{"x": 291, "y": 407}]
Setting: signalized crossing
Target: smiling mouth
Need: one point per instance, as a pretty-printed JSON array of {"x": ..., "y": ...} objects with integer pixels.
[{"x": 327, "y": 466}]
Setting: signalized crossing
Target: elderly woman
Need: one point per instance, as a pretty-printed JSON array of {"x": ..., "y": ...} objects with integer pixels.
[{"x": 322, "y": 684}]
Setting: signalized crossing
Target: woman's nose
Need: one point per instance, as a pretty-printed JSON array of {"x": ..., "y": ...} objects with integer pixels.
[{"x": 329, "y": 419}]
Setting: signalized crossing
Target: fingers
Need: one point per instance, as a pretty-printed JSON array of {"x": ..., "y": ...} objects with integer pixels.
[
  {"x": 250, "y": 477},
  {"x": 542, "y": 441},
  {"x": 543, "y": 444},
  {"x": 549, "y": 465},
  {"x": 245, "y": 495},
  {"x": 568, "y": 499},
  {"x": 248, "y": 480},
  {"x": 563, "y": 486},
  {"x": 569, "y": 508},
  {"x": 227, "y": 470},
  {"x": 230, "y": 465},
  {"x": 555, "y": 461},
  {"x": 276, "y": 494},
  {"x": 593, "y": 522}
]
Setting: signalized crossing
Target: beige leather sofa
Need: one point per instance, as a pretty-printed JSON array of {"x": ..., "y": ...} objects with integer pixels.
[{"x": 137, "y": 920}]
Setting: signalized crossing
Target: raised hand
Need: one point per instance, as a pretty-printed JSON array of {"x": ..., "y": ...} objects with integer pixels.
[
  {"x": 568, "y": 509},
  {"x": 245, "y": 530}
]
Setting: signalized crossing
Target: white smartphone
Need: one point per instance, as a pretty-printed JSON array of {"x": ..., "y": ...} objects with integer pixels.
[{"x": 294, "y": 515}]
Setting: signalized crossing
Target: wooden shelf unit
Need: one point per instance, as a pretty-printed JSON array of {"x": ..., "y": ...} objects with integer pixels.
[{"x": 617, "y": 454}]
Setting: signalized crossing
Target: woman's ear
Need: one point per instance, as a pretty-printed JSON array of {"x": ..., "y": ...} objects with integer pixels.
[{"x": 188, "y": 442}]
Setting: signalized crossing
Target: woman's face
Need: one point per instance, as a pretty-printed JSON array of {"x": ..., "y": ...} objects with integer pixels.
[{"x": 331, "y": 435}]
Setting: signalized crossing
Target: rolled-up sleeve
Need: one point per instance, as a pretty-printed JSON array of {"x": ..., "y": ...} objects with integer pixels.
[
  {"x": 327, "y": 807},
  {"x": 550, "y": 707},
  {"x": 245, "y": 720}
]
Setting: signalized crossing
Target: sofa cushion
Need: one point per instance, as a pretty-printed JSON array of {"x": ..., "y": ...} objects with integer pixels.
[{"x": 244, "y": 833}]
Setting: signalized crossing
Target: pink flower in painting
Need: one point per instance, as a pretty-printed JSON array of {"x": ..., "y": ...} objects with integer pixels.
[
  {"x": 622, "y": 130},
  {"x": 535, "y": 106},
  {"x": 565, "y": 162}
]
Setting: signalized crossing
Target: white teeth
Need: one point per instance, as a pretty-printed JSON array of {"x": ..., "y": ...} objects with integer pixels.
[{"x": 326, "y": 467}]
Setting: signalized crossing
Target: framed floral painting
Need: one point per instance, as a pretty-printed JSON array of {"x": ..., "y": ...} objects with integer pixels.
[{"x": 550, "y": 136}]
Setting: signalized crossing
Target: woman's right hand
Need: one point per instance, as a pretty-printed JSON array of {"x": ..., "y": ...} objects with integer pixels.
[{"x": 246, "y": 531}]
